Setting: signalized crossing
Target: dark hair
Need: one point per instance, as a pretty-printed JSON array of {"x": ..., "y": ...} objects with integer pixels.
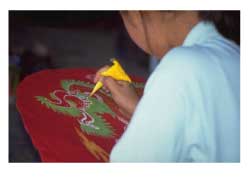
[{"x": 227, "y": 23}]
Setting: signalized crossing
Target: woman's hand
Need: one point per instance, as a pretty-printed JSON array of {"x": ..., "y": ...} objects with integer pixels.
[{"x": 123, "y": 93}]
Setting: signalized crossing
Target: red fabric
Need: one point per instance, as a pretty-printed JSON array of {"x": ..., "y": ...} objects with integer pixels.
[{"x": 58, "y": 136}]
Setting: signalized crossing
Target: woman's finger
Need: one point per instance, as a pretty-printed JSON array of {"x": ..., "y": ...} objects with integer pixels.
[
  {"x": 98, "y": 73},
  {"x": 122, "y": 83},
  {"x": 111, "y": 84}
]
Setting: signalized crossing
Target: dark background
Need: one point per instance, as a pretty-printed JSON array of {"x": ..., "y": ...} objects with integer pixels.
[{"x": 63, "y": 39}]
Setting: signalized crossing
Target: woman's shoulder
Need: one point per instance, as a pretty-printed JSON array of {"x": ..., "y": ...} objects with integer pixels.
[
  {"x": 218, "y": 48},
  {"x": 177, "y": 66},
  {"x": 184, "y": 63},
  {"x": 185, "y": 59},
  {"x": 186, "y": 55},
  {"x": 201, "y": 57}
]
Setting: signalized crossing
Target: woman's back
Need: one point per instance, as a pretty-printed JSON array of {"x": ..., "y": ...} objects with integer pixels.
[{"x": 191, "y": 103}]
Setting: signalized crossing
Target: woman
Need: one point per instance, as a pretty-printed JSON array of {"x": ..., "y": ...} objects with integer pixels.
[{"x": 189, "y": 111}]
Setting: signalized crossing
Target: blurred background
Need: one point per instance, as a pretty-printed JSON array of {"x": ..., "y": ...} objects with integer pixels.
[{"x": 63, "y": 39}]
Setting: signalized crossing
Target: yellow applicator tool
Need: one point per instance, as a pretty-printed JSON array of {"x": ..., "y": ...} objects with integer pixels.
[{"x": 115, "y": 71}]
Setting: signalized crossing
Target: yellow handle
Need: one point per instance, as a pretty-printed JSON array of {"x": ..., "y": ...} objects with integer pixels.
[{"x": 115, "y": 71}]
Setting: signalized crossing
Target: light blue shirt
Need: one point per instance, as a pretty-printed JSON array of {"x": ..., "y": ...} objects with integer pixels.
[{"x": 190, "y": 109}]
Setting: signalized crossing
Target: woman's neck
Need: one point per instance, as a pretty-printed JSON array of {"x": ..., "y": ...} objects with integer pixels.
[{"x": 176, "y": 29}]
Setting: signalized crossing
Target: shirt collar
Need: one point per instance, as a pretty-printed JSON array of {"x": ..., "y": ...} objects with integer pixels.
[{"x": 200, "y": 33}]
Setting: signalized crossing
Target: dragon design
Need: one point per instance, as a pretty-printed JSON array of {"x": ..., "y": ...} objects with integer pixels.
[
  {"x": 73, "y": 100},
  {"x": 88, "y": 110}
]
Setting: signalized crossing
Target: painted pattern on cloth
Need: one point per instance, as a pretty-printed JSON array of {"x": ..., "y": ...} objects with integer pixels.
[
  {"x": 95, "y": 123},
  {"x": 76, "y": 102}
]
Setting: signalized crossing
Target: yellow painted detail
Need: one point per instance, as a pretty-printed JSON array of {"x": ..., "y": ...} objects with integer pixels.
[{"x": 98, "y": 152}]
